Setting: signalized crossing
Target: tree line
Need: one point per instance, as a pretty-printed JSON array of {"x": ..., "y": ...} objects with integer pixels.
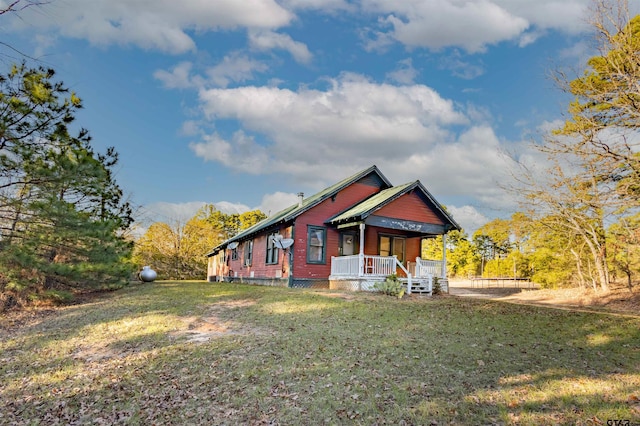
[
  {"x": 524, "y": 247},
  {"x": 176, "y": 250},
  {"x": 580, "y": 202}
]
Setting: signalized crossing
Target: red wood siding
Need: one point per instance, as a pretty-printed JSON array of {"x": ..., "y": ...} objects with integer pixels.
[
  {"x": 258, "y": 265},
  {"x": 316, "y": 216},
  {"x": 371, "y": 233},
  {"x": 410, "y": 207}
]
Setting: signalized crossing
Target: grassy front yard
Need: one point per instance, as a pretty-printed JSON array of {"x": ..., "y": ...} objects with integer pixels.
[{"x": 205, "y": 353}]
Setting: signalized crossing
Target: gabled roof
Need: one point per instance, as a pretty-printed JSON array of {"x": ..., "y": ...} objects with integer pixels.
[
  {"x": 291, "y": 212},
  {"x": 362, "y": 210}
]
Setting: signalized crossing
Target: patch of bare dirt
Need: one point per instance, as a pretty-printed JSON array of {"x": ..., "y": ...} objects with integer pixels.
[{"x": 217, "y": 322}]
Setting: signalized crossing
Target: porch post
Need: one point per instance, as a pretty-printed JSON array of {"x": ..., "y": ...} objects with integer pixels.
[
  {"x": 361, "y": 254},
  {"x": 444, "y": 256}
]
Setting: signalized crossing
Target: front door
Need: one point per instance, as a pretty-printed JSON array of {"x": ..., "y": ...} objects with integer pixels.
[{"x": 348, "y": 244}]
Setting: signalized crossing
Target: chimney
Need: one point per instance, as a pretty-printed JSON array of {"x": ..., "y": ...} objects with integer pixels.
[{"x": 300, "y": 198}]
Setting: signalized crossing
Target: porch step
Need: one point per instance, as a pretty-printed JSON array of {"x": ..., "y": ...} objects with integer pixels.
[{"x": 420, "y": 287}]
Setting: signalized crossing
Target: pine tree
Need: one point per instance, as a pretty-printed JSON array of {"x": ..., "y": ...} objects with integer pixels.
[{"x": 61, "y": 211}]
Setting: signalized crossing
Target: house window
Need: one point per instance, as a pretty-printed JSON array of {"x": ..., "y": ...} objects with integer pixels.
[
  {"x": 234, "y": 253},
  {"x": 272, "y": 250},
  {"x": 248, "y": 253},
  {"x": 316, "y": 244},
  {"x": 390, "y": 245}
]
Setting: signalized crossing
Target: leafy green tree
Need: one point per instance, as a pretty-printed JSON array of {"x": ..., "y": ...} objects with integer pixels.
[
  {"x": 177, "y": 250},
  {"x": 230, "y": 224},
  {"x": 548, "y": 253},
  {"x": 462, "y": 259}
]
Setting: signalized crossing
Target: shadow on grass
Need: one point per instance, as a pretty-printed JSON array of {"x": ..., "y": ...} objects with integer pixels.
[{"x": 310, "y": 358}]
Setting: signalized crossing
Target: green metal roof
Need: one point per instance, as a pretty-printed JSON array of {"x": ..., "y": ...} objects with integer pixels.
[
  {"x": 295, "y": 210},
  {"x": 363, "y": 209},
  {"x": 366, "y": 207}
]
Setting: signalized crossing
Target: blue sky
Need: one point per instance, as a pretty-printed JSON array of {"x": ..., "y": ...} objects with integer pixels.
[{"x": 245, "y": 103}]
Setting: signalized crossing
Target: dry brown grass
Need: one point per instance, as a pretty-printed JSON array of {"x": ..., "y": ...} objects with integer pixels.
[
  {"x": 619, "y": 298},
  {"x": 204, "y": 353}
]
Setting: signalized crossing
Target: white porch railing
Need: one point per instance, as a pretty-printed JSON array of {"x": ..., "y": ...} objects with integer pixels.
[
  {"x": 379, "y": 265},
  {"x": 349, "y": 266},
  {"x": 425, "y": 268},
  {"x": 345, "y": 266},
  {"x": 368, "y": 266}
]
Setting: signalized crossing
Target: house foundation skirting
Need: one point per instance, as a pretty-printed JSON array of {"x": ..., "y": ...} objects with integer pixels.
[
  {"x": 274, "y": 282},
  {"x": 368, "y": 283},
  {"x": 271, "y": 282},
  {"x": 309, "y": 283},
  {"x": 354, "y": 284}
]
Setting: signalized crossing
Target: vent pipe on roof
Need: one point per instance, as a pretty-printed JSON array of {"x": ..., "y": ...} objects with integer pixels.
[{"x": 300, "y": 198}]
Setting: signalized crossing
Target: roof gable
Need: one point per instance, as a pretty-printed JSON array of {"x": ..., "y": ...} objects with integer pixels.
[
  {"x": 364, "y": 209},
  {"x": 370, "y": 176}
]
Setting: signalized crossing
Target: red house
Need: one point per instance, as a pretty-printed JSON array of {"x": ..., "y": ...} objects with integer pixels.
[{"x": 348, "y": 236}]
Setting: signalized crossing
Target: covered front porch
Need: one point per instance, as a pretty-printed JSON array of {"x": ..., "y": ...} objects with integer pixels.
[
  {"x": 362, "y": 271},
  {"x": 382, "y": 236}
]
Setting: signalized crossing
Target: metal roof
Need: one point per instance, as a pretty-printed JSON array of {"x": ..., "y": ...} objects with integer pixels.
[
  {"x": 295, "y": 210},
  {"x": 365, "y": 208}
]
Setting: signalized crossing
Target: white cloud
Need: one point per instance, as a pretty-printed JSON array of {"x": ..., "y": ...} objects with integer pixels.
[
  {"x": 320, "y": 136},
  {"x": 567, "y": 16},
  {"x": 273, "y": 203},
  {"x": 230, "y": 207},
  {"x": 168, "y": 25},
  {"x": 182, "y": 212},
  {"x": 241, "y": 152},
  {"x": 549, "y": 126},
  {"x": 178, "y": 213},
  {"x": 309, "y": 133},
  {"x": 234, "y": 68},
  {"x": 190, "y": 128},
  {"x": 269, "y": 40},
  {"x": 475, "y": 24},
  {"x": 170, "y": 212},
  {"x": 474, "y": 163},
  {"x": 161, "y": 24},
  {"x": 436, "y": 24},
  {"x": 405, "y": 72},
  {"x": 529, "y": 37},
  {"x": 578, "y": 54},
  {"x": 468, "y": 217},
  {"x": 330, "y": 6},
  {"x": 178, "y": 78}
]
